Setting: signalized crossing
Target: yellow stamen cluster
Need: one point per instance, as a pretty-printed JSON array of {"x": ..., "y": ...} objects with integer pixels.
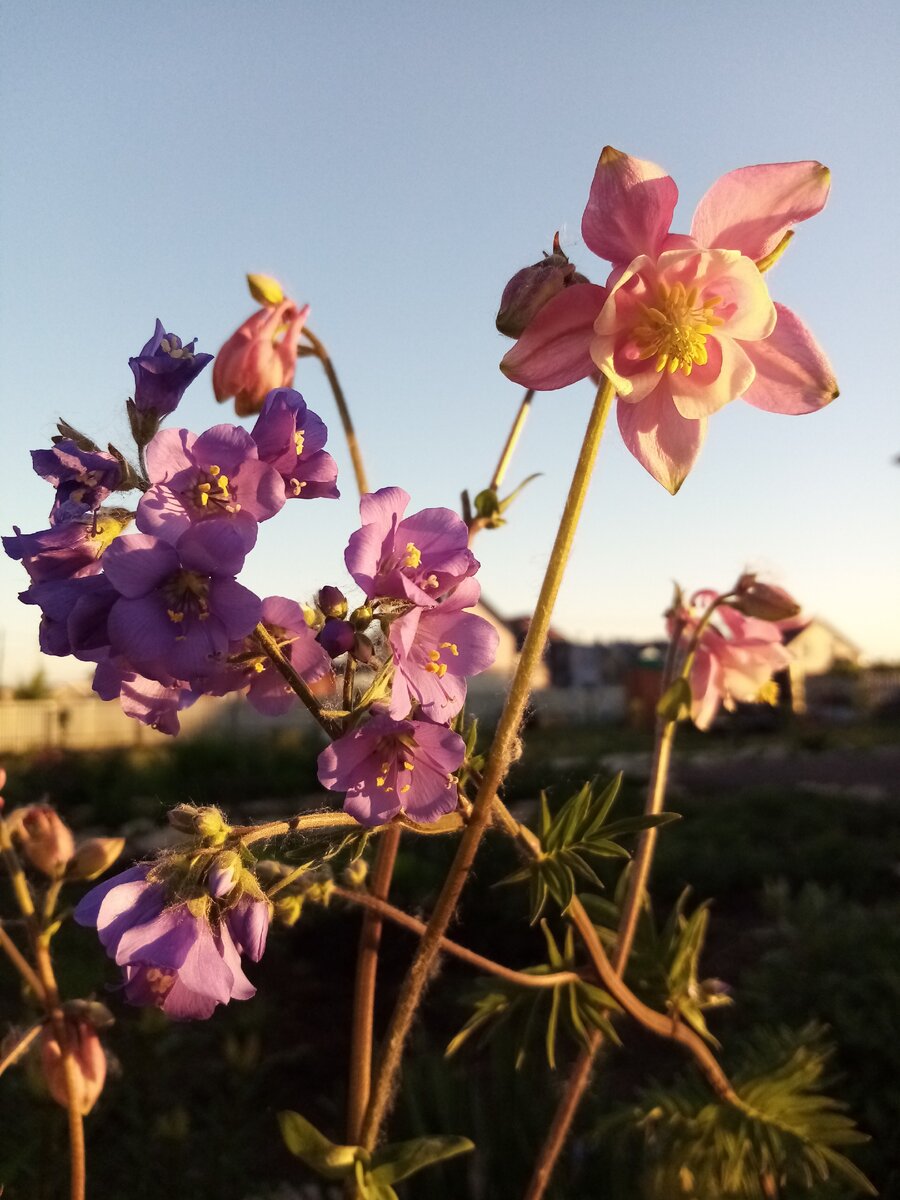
[
  {"x": 674, "y": 329},
  {"x": 435, "y": 666},
  {"x": 298, "y": 441},
  {"x": 215, "y": 490},
  {"x": 768, "y": 693},
  {"x": 413, "y": 555},
  {"x": 186, "y": 592},
  {"x": 381, "y": 780}
]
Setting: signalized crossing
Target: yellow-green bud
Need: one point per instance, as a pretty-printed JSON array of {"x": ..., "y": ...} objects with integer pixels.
[
  {"x": 94, "y": 856},
  {"x": 265, "y": 290}
]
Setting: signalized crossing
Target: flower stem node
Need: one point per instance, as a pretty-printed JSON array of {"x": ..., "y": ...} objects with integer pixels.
[{"x": 207, "y": 823}]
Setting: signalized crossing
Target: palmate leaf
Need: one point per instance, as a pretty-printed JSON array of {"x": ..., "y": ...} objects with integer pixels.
[
  {"x": 789, "y": 1136},
  {"x": 574, "y": 1009},
  {"x": 578, "y": 833}
]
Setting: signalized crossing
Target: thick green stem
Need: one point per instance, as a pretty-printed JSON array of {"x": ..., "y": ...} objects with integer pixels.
[{"x": 501, "y": 755}]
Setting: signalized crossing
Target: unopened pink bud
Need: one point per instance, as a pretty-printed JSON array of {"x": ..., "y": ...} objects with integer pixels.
[
  {"x": 532, "y": 287},
  {"x": 95, "y": 856},
  {"x": 88, "y": 1061},
  {"x": 223, "y": 875},
  {"x": 46, "y": 840},
  {"x": 259, "y": 356}
]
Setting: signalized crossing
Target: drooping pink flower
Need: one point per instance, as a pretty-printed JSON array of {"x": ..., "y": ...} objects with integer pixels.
[
  {"x": 388, "y": 766},
  {"x": 259, "y": 356},
  {"x": 417, "y": 558},
  {"x": 684, "y": 324},
  {"x": 435, "y": 649},
  {"x": 736, "y": 658}
]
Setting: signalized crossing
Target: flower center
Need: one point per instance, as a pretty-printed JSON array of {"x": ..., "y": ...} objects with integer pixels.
[
  {"x": 186, "y": 594},
  {"x": 212, "y": 491},
  {"x": 674, "y": 329},
  {"x": 413, "y": 555},
  {"x": 435, "y": 664},
  {"x": 396, "y": 774},
  {"x": 171, "y": 345}
]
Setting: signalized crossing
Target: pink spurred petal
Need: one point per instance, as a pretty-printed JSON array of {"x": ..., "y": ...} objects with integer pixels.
[
  {"x": 793, "y": 376},
  {"x": 751, "y": 209},
  {"x": 554, "y": 350},
  {"x": 746, "y": 307},
  {"x": 663, "y": 441},
  {"x": 630, "y": 207},
  {"x": 725, "y": 376}
]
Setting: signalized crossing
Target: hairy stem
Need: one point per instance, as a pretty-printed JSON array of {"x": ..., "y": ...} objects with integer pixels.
[
  {"x": 295, "y": 682},
  {"x": 343, "y": 411},
  {"x": 321, "y": 821},
  {"x": 414, "y": 925},
  {"x": 495, "y": 770}
]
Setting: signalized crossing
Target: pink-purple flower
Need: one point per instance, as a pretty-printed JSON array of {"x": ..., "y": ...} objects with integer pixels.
[
  {"x": 416, "y": 558},
  {"x": 183, "y": 956},
  {"x": 684, "y": 324},
  {"x": 435, "y": 649},
  {"x": 83, "y": 478},
  {"x": 179, "y": 607},
  {"x": 216, "y": 476},
  {"x": 291, "y": 438},
  {"x": 69, "y": 549},
  {"x": 387, "y": 767}
]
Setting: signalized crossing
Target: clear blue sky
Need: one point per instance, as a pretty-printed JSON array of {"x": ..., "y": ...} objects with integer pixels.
[{"x": 394, "y": 164}]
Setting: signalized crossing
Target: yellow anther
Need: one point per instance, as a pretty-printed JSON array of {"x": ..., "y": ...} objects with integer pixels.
[
  {"x": 385, "y": 766},
  {"x": 298, "y": 441},
  {"x": 380, "y": 781},
  {"x": 222, "y": 481},
  {"x": 673, "y": 330},
  {"x": 205, "y": 488},
  {"x": 452, "y": 647},
  {"x": 177, "y": 617},
  {"x": 297, "y": 487},
  {"x": 405, "y": 788},
  {"x": 214, "y": 470},
  {"x": 408, "y": 766},
  {"x": 434, "y": 655},
  {"x": 768, "y": 693},
  {"x": 439, "y": 669},
  {"x": 204, "y": 499},
  {"x": 259, "y": 667},
  {"x": 413, "y": 555}
]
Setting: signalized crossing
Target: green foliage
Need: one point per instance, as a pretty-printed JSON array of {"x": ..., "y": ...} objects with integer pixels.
[
  {"x": 577, "y": 1007},
  {"x": 578, "y": 832},
  {"x": 490, "y": 508},
  {"x": 373, "y": 1173},
  {"x": 787, "y": 1137}
]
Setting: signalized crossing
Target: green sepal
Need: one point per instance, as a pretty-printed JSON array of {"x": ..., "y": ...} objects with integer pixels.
[
  {"x": 326, "y": 1158},
  {"x": 675, "y": 702}
]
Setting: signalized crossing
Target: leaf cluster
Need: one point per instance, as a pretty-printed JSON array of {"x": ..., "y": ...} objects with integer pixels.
[
  {"x": 576, "y": 1007},
  {"x": 578, "y": 833},
  {"x": 787, "y": 1136},
  {"x": 373, "y": 1173}
]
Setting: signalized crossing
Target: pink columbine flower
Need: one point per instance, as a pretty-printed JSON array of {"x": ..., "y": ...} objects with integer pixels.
[
  {"x": 259, "y": 356},
  {"x": 416, "y": 558},
  {"x": 435, "y": 649},
  {"x": 389, "y": 766},
  {"x": 684, "y": 324},
  {"x": 735, "y": 660}
]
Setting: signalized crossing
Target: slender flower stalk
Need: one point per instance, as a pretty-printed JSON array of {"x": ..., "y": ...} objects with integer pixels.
[
  {"x": 20, "y": 962},
  {"x": 406, "y": 921},
  {"x": 294, "y": 680},
  {"x": 495, "y": 770},
  {"x": 13, "y": 1055},
  {"x": 512, "y": 440},
  {"x": 343, "y": 410}
]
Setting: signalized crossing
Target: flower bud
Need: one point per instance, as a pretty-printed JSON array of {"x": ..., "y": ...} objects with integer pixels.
[
  {"x": 265, "y": 290},
  {"x": 763, "y": 600},
  {"x": 205, "y": 822},
  {"x": 223, "y": 874},
  {"x": 332, "y": 602},
  {"x": 47, "y": 841},
  {"x": 354, "y": 874},
  {"x": 362, "y": 617},
  {"x": 288, "y": 909},
  {"x": 95, "y": 856},
  {"x": 336, "y": 637},
  {"x": 97, "y": 1015},
  {"x": 89, "y": 1062},
  {"x": 530, "y": 289}
]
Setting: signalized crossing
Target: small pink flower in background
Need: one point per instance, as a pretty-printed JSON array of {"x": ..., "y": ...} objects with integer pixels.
[
  {"x": 46, "y": 839},
  {"x": 684, "y": 324},
  {"x": 260, "y": 356},
  {"x": 735, "y": 660},
  {"x": 89, "y": 1061}
]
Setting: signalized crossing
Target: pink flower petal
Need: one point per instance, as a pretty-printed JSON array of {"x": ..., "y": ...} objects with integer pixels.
[
  {"x": 751, "y": 209},
  {"x": 554, "y": 350},
  {"x": 725, "y": 376},
  {"x": 793, "y": 376},
  {"x": 746, "y": 308},
  {"x": 663, "y": 441},
  {"x": 630, "y": 207}
]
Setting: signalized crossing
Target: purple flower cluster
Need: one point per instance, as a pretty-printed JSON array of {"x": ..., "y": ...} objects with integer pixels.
[
  {"x": 417, "y": 574},
  {"x": 180, "y": 955},
  {"x": 160, "y": 611}
]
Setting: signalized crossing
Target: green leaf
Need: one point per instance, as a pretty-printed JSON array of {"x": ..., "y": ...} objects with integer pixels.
[
  {"x": 504, "y": 504},
  {"x": 399, "y": 1160},
  {"x": 675, "y": 701},
  {"x": 305, "y": 1142}
]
